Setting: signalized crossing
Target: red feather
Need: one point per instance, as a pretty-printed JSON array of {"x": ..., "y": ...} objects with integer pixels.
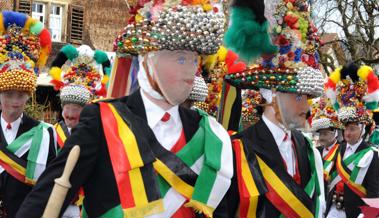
[
  {"x": 372, "y": 83},
  {"x": 45, "y": 38},
  {"x": 233, "y": 64},
  {"x": 330, "y": 84},
  {"x": 102, "y": 92},
  {"x": 57, "y": 84}
]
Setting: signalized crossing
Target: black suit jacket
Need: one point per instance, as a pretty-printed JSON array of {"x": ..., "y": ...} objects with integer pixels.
[
  {"x": 259, "y": 140},
  {"x": 94, "y": 170},
  {"x": 371, "y": 183},
  {"x": 12, "y": 191}
]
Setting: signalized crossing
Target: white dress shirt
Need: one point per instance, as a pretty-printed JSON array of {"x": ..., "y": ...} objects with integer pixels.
[
  {"x": 10, "y": 134},
  {"x": 350, "y": 149},
  {"x": 285, "y": 147},
  {"x": 167, "y": 133}
]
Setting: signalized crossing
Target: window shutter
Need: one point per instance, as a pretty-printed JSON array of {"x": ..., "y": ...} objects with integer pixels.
[
  {"x": 24, "y": 6},
  {"x": 75, "y": 24}
]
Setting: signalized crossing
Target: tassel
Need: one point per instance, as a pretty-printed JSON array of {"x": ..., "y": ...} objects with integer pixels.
[{"x": 200, "y": 208}]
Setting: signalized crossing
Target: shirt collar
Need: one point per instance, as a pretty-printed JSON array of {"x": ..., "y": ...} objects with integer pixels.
[
  {"x": 15, "y": 124},
  {"x": 154, "y": 113},
  {"x": 354, "y": 146},
  {"x": 275, "y": 130}
]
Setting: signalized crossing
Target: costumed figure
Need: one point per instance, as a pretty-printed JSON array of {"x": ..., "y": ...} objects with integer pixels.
[
  {"x": 278, "y": 170},
  {"x": 374, "y": 137},
  {"x": 143, "y": 155},
  {"x": 325, "y": 124},
  {"x": 26, "y": 145},
  {"x": 80, "y": 75},
  {"x": 353, "y": 92}
]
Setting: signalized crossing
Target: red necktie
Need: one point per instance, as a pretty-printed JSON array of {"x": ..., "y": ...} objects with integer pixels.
[
  {"x": 166, "y": 117},
  {"x": 9, "y": 126}
]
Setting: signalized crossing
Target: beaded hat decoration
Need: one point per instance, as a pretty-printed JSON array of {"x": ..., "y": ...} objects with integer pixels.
[
  {"x": 215, "y": 67},
  {"x": 199, "y": 90},
  {"x": 80, "y": 74},
  {"x": 250, "y": 100},
  {"x": 294, "y": 67},
  {"x": 24, "y": 48},
  {"x": 172, "y": 25},
  {"x": 324, "y": 116},
  {"x": 353, "y": 92}
]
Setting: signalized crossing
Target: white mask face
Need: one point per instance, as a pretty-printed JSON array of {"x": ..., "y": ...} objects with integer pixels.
[
  {"x": 174, "y": 72},
  {"x": 293, "y": 109}
]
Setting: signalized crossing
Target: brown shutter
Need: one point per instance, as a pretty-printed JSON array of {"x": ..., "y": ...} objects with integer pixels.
[
  {"x": 24, "y": 6},
  {"x": 75, "y": 24}
]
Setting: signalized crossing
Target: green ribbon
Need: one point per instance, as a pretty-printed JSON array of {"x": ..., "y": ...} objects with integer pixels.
[{"x": 35, "y": 134}]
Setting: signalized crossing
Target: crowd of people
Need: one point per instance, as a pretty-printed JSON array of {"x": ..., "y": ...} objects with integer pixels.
[{"x": 155, "y": 154}]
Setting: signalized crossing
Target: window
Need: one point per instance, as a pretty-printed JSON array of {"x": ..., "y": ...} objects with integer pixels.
[
  {"x": 23, "y": 6},
  {"x": 76, "y": 24},
  {"x": 55, "y": 22},
  {"x": 52, "y": 16},
  {"x": 39, "y": 11}
]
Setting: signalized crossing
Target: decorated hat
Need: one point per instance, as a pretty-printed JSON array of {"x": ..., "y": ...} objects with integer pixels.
[
  {"x": 24, "y": 48},
  {"x": 353, "y": 91},
  {"x": 251, "y": 99},
  {"x": 291, "y": 62},
  {"x": 216, "y": 66},
  {"x": 324, "y": 116},
  {"x": 80, "y": 74},
  {"x": 172, "y": 25}
]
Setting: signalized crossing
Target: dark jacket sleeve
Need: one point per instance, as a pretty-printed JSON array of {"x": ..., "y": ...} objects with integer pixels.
[
  {"x": 88, "y": 136},
  {"x": 372, "y": 175}
]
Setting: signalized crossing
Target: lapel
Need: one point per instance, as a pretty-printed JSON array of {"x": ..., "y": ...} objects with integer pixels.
[
  {"x": 64, "y": 128},
  {"x": 26, "y": 124},
  {"x": 302, "y": 156},
  {"x": 3, "y": 142}
]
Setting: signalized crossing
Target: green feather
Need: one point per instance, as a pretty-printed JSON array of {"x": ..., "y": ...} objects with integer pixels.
[
  {"x": 100, "y": 57},
  {"x": 70, "y": 52},
  {"x": 246, "y": 36}
]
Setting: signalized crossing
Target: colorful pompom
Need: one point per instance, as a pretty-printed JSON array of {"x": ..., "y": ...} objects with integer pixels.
[
  {"x": 11, "y": 17},
  {"x": 335, "y": 76},
  {"x": 56, "y": 73},
  {"x": 70, "y": 52},
  {"x": 36, "y": 28},
  {"x": 30, "y": 22},
  {"x": 2, "y": 28},
  {"x": 100, "y": 57},
  {"x": 364, "y": 71},
  {"x": 246, "y": 36}
]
